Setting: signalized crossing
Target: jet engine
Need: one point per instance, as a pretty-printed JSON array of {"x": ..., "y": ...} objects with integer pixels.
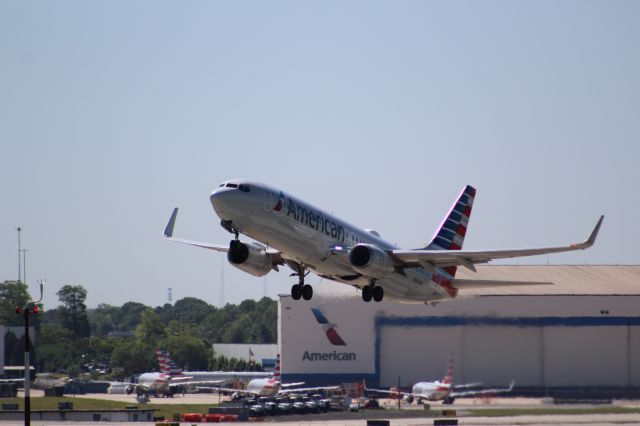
[
  {"x": 371, "y": 261},
  {"x": 248, "y": 258}
]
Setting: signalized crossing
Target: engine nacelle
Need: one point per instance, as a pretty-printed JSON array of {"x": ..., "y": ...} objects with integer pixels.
[
  {"x": 250, "y": 259},
  {"x": 371, "y": 261}
]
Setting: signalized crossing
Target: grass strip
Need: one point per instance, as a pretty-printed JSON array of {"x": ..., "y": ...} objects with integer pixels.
[{"x": 163, "y": 410}]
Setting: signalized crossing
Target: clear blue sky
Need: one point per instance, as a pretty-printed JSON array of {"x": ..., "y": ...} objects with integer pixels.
[{"x": 112, "y": 113}]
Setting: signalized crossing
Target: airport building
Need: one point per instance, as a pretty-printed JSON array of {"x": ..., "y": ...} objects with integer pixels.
[{"x": 581, "y": 332}]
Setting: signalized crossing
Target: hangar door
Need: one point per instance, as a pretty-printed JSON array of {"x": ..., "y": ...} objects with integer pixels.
[
  {"x": 493, "y": 355},
  {"x": 533, "y": 356}
]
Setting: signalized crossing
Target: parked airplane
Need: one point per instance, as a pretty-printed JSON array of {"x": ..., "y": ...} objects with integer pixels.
[
  {"x": 168, "y": 366},
  {"x": 170, "y": 379},
  {"x": 306, "y": 238},
  {"x": 444, "y": 391},
  {"x": 272, "y": 386}
]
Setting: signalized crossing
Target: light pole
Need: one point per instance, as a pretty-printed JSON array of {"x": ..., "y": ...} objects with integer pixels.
[
  {"x": 24, "y": 266},
  {"x": 30, "y": 306},
  {"x": 19, "y": 229}
]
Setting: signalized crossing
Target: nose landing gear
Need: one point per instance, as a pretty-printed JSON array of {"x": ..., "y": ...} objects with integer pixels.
[{"x": 301, "y": 290}]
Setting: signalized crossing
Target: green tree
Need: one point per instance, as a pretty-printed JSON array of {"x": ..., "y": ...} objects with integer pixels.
[
  {"x": 132, "y": 357},
  {"x": 74, "y": 310},
  {"x": 101, "y": 319},
  {"x": 58, "y": 349},
  {"x": 12, "y": 294},
  {"x": 150, "y": 328},
  {"x": 128, "y": 316}
]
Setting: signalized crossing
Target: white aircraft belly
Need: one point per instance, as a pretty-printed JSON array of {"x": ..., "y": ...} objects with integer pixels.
[{"x": 313, "y": 250}]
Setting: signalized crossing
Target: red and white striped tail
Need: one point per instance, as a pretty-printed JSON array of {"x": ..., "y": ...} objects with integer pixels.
[
  {"x": 163, "y": 363},
  {"x": 449, "y": 377},
  {"x": 276, "y": 373}
]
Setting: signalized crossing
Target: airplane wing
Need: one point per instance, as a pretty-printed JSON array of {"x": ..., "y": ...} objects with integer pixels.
[
  {"x": 288, "y": 385},
  {"x": 471, "y": 284},
  {"x": 275, "y": 255},
  {"x": 230, "y": 390},
  {"x": 430, "y": 259},
  {"x": 194, "y": 383},
  {"x": 168, "y": 234},
  {"x": 401, "y": 393},
  {"x": 306, "y": 390},
  {"x": 456, "y": 394}
]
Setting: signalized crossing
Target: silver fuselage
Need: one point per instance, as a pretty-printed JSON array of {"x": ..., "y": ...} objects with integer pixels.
[{"x": 314, "y": 238}]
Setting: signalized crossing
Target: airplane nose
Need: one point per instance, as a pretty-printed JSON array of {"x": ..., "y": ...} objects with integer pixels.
[
  {"x": 217, "y": 197},
  {"x": 222, "y": 200}
]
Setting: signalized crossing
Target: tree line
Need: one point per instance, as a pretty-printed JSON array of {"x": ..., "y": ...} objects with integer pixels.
[{"x": 119, "y": 341}]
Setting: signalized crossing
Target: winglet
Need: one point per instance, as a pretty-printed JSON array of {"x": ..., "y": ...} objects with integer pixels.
[
  {"x": 594, "y": 233},
  {"x": 168, "y": 230}
]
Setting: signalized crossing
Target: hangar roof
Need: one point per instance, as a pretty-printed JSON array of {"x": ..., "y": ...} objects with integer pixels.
[{"x": 566, "y": 279}]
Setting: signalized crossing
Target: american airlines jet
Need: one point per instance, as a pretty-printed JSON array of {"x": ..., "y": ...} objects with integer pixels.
[
  {"x": 290, "y": 231},
  {"x": 444, "y": 390}
]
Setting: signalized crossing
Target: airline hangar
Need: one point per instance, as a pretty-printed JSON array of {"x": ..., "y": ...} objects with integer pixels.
[{"x": 581, "y": 332}]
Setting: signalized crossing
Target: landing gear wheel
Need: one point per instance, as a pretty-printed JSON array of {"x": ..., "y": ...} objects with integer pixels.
[
  {"x": 378, "y": 293},
  {"x": 296, "y": 291},
  {"x": 367, "y": 294},
  {"x": 307, "y": 292}
]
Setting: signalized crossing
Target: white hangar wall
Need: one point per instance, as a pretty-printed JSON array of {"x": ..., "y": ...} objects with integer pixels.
[{"x": 537, "y": 340}]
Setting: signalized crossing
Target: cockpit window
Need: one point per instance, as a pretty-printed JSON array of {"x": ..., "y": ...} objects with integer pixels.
[
  {"x": 244, "y": 188},
  {"x": 232, "y": 185}
]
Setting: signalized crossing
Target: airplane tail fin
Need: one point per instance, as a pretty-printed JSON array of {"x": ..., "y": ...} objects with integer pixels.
[
  {"x": 450, "y": 235},
  {"x": 448, "y": 378},
  {"x": 276, "y": 373},
  {"x": 165, "y": 362}
]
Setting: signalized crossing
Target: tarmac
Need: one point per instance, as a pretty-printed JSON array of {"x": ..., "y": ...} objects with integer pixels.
[{"x": 413, "y": 411}]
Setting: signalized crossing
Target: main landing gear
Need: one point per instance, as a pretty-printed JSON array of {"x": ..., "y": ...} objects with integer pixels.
[
  {"x": 301, "y": 290},
  {"x": 372, "y": 291}
]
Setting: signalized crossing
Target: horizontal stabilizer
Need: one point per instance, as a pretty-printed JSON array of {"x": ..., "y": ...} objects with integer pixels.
[{"x": 469, "y": 284}]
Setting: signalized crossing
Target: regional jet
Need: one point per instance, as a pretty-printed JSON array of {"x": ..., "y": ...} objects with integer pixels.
[
  {"x": 444, "y": 390},
  {"x": 288, "y": 230}
]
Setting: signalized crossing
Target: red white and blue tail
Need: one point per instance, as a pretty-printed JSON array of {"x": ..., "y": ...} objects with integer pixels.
[
  {"x": 448, "y": 378},
  {"x": 450, "y": 235},
  {"x": 165, "y": 362},
  {"x": 276, "y": 373}
]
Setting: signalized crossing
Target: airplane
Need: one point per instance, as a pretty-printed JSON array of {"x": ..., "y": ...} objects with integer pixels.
[
  {"x": 272, "y": 386},
  {"x": 168, "y": 366},
  {"x": 170, "y": 379},
  {"x": 442, "y": 390},
  {"x": 288, "y": 230}
]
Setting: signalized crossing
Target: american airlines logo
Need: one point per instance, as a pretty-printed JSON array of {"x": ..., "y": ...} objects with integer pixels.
[
  {"x": 334, "y": 338},
  {"x": 328, "y": 328}
]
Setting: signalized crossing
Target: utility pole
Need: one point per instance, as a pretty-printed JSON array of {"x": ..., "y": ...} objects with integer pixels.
[
  {"x": 30, "y": 306},
  {"x": 19, "y": 229},
  {"x": 24, "y": 266},
  {"x": 221, "y": 282}
]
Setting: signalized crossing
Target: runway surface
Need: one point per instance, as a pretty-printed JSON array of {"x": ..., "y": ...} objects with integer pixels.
[{"x": 415, "y": 413}]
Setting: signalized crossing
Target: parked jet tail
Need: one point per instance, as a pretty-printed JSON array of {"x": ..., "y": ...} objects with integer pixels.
[
  {"x": 448, "y": 378},
  {"x": 165, "y": 362}
]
